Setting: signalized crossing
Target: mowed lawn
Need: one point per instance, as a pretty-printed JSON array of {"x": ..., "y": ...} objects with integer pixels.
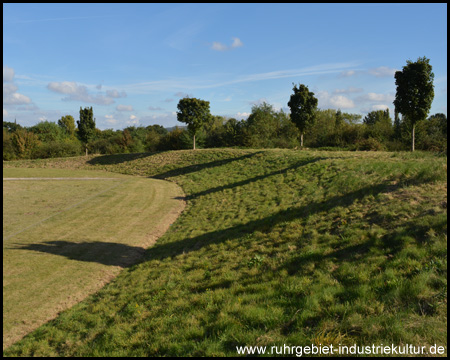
[
  {"x": 66, "y": 233},
  {"x": 274, "y": 247}
]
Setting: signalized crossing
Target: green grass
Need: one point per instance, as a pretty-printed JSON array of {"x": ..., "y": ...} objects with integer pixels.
[
  {"x": 64, "y": 239},
  {"x": 274, "y": 247}
]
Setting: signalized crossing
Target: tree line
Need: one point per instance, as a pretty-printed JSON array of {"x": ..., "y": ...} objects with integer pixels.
[{"x": 265, "y": 127}]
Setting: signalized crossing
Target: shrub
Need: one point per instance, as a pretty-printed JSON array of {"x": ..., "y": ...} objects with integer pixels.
[
  {"x": 58, "y": 149},
  {"x": 369, "y": 144}
]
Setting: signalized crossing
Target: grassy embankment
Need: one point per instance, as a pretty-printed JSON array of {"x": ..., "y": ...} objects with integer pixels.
[{"x": 274, "y": 247}]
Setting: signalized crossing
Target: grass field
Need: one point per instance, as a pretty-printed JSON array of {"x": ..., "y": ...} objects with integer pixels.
[
  {"x": 274, "y": 247},
  {"x": 67, "y": 233}
]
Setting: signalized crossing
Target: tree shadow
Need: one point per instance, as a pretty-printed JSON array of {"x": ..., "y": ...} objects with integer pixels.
[
  {"x": 198, "y": 167},
  {"x": 105, "y": 253},
  {"x": 165, "y": 250},
  {"x": 254, "y": 179},
  {"x": 117, "y": 158}
]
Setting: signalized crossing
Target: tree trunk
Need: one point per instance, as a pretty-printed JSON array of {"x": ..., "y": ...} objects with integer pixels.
[
  {"x": 301, "y": 140},
  {"x": 86, "y": 151},
  {"x": 194, "y": 142},
  {"x": 412, "y": 144}
]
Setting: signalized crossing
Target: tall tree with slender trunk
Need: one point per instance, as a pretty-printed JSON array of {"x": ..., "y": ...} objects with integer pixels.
[
  {"x": 303, "y": 106},
  {"x": 194, "y": 112},
  {"x": 415, "y": 91},
  {"x": 86, "y": 125}
]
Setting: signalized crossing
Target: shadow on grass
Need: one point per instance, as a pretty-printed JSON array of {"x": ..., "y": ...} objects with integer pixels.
[
  {"x": 251, "y": 180},
  {"x": 198, "y": 167},
  {"x": 117, "y": 158},
  {"x": 165, "y": 250},
  {"x": 105, "y": 253}
]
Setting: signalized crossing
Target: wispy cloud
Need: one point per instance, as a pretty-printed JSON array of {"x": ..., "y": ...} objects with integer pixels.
[
  {"x": 382, "y": 71},
  {"x": 349, "y": 90},
  {"x": 187, "y": 83},
  {"x": 374, "y": 97},
  {"x": 124, "y": 108}
]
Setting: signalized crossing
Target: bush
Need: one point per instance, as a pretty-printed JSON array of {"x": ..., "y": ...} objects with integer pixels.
[
  {"x": 58, "y": 149},
  {"x": 107, "y": 146},
  {"x": 369, "y": 144}
]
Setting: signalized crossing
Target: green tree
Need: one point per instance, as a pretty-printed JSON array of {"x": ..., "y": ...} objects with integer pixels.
[
  {"x": 379, "y": 125},
  {"x": 86, "y": 126},
  {"x": 67, "y": 123},
  {"x": 339, "y": 119},
  {"x": 11, "y": 126},
  {"x": 431, "y": 134},
  {"x": 303, "y": 106},
  {"x": 25, "y": 143},
  {"x": 233, "y": 132},
  {"x": 415, "y": 91},
  {"x": 193, "y": 112},
  {"x": 47, "y": 131},
  {"x": 8, "y": 147}
]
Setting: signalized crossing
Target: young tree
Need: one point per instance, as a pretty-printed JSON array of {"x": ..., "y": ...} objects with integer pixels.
[
  {"x": 86, "y": 125},
  {"x": 303, "y": 105},
  {"x": 415, "y": 91},
  {"x": 194, "y": 112}
]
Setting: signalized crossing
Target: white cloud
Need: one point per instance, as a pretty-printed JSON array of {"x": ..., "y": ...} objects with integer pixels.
[
  {"x": 66, "y": 87},
  {"x": 10, "y": 94},
  {"x": 222, "y": 47},
  {"x": 236, "y": 43},
  {"x": 5, "y": 113},
  {"x": 242, "y": 115},
  {"x": 77, "y": 92},
  {"x": 336, "y": 101},
  {"x": 379, "y": 107},
  {"x": 349, "y": 90},
  {"x": 8, "y": 73},
  {"x": 342, "y": 102},
  {"x": 374, "y": 97},
  {"x": 218, "y": 46},
  {"x": 9, "y": 88},
  {"x": 124, "y": 108},
  {"x": 382, "y": 71},
  {"x": 258, "y": 102},
  {"x": 110, "y": 119},
  {"x": 181, "y": 94},
  {"x": 133, "y": 120},
  {"x": 194, "y": 83},
  {"x": 15, "y": 99},
  {"x": 347, "y": 73},
  {"x": 115, "y": 94}
]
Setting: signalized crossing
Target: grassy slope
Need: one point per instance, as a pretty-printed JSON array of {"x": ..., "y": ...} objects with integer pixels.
[{"x": 275, "y": 247}]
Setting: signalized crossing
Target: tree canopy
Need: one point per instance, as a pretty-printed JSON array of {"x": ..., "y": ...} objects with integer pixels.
[
  {"x": 193, "y": 112},
  {"x": 415, "y": 91},
  {"x": 303, "y": 105},
  {"x": 86, "y": 125}
]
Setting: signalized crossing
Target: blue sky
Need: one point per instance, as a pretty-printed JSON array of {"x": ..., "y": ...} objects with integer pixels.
[{"x": 133, "y": 62}]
